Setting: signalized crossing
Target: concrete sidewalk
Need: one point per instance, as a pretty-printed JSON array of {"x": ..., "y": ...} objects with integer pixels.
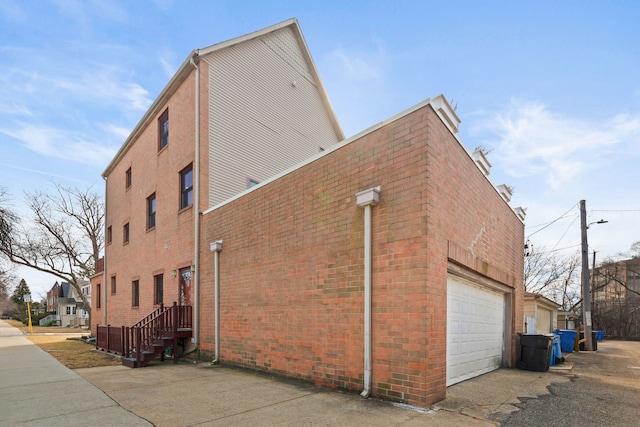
[{"x": 37, "y": 390}]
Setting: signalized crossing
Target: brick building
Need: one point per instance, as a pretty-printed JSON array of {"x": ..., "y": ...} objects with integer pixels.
[
  {"x": 617, "y": 280},
  {"x": 234, "y": 114},
  {"x": 387, "y": 263},
  {"x": 446, "y": 266},
  {"x": 616, "y": 298}
]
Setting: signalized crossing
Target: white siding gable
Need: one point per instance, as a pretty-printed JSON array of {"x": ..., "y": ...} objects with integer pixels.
[{"x": 266, "y": 112}]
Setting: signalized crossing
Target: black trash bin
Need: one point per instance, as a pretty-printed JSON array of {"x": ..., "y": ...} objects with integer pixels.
[
  {"x": 594, "y": 340},
  {"x": 535, "y": 352}
]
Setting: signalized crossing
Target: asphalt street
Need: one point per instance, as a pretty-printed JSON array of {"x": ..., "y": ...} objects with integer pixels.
[{"x": 603, "y": 391}]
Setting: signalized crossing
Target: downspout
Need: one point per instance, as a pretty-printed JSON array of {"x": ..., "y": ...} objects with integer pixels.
[
  {"x": 367, "y": 199},
  {"x": 216, "y": 247},
  {"x": 196, "y": 208},
  {"x": 104, "y": 258}
]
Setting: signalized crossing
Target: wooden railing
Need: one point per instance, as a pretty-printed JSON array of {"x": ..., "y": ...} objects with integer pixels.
[
  {"x": 131, "y": 341},
  {"x": 111, "y": 338}
]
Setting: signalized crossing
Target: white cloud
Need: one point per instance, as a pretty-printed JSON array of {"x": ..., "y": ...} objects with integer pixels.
[
  {"x": 118, "y": 132},
  {"x": 47, "y": 173},
  {"x": 359, "y": 65},
  {"x": 166, "y": 62},
  {"x": 58, "y": 143},
  {"x": 12, "y": 11},
  {"x": 83, "y": 11},
  {"x": 529, "y": 140},
  {"x": 102, "y": 84},
  {"x": 164, "y": 4}
]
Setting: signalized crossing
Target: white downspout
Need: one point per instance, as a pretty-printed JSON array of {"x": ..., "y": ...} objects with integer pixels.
[
  {"x": 196, "y": 208},
  {"x": 104, "y": 266},
  {"x": 367, "y": 199},
  {"x": 216, "y": 247}
]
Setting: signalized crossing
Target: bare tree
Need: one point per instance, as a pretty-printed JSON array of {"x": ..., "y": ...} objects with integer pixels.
[
  {"x": 7, "y": 218},
  {"x": 554, "y": 276},
  {"x": 6, "y": 305},
  {"x": 616, "y": 307},
  {"x": 64, "y": 237}
]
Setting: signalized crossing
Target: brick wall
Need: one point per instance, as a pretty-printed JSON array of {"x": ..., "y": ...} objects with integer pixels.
[
  {"x": 169, "y": 245},
  {"x": 291, "y": 268}
]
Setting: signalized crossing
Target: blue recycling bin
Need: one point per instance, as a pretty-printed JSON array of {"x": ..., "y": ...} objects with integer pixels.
[
  {"x": 600, "y": 335},
  {"x": 556, "y": 352},
  {"x": 567, "y": 339}
]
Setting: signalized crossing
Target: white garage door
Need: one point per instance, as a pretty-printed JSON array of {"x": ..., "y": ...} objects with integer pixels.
[{"x": 475, "y": 330}]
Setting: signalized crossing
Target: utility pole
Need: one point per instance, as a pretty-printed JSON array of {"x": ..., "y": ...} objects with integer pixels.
[{"x": 586, "y": 288}]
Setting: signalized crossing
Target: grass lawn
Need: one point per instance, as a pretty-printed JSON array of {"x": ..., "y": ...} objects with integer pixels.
[
  {"x": 37, "y": 329},
  {"x": 74, "y": 353}
]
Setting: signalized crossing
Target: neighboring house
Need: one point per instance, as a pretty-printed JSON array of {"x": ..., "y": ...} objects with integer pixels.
[
  {"x": 82, "y": 315},
  {"x": 68, "y": 306},
  {"x": 540, "y": 314},
  {"x": 387, "y": 264}
]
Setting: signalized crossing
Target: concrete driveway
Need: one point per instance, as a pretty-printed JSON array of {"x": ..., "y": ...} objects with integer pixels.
[
  {"x": 202, "y": 394},
  {"x": 596, "y": 388}
]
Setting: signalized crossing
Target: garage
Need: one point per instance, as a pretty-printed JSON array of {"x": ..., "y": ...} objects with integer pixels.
[{"x": 475, "y": 330}]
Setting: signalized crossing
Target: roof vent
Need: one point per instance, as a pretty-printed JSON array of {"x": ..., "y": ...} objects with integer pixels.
[
  {"x": 521, "y": 212},
  {"x": 505, "y": 191},
  {"x": 446, "y": 113},
  {"x": 481, "y": 161}
]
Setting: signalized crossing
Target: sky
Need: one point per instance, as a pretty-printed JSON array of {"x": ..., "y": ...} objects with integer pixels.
[{"x": 551, "y": 89}]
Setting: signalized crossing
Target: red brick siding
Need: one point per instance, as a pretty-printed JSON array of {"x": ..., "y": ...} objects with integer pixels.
[
  {"x": 169, "y": 245},
  {"x": 291, "y": 270}
]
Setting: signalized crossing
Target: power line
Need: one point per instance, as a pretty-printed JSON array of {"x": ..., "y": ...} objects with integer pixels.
[
  {"x": 565, "y": 233},
  {"x": 554, "y": 221},
  {"x": 616, "y": 210},
  {"x": 559, "y": 249}
]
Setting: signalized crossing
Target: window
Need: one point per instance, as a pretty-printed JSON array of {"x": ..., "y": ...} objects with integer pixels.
[
  {"x": 163, "y": 130},
  {"x": 109, "y": 235},
  {"x": 99, "y": 296},
  {"x": 252, "y": 182},
  {"x": 127, "y": 179},
  {"x": 125, "y": 234},
  {"x": 135, "y": 293},
  {"x": 68, "y": 310},
  {"x": 151, "y": 211},
  {"x": 113, "y": 285},
  {"x": 186, "y": 187},
  {"x": 73, "y": 310},
  {"x": 158, "y": 285}
]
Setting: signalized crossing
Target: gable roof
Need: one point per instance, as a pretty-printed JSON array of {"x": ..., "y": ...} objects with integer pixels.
[
  {"x": 542, "y": 299},
  {"x": 66, "y": 289},
  {"x": 187, "y": 68}
]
